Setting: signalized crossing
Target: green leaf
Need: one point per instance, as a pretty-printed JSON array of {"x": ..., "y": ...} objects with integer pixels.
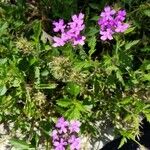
[
  {"x": 146, "y": 49},
  {"x": 147, "y": 116},
  {"x": 146, "y": 77},
  {"x": 126, "y": 101},
  {"x": 94, "y": 6},
  {"x": 46, "y": 37},
  {"x": 37, "y": 30},
  {"x": 92, "y": 31},
  {"x": 129, "y": 30},
  {"x": 37, "y": 75},
  {"x": 73, "y": 89},
  {"x": 3, "y": 90},
  {"x": 92, "y": 44},
  {"x": 80, "y": 106},
  {"x": 73, "y": 113},
  {"x": 131, "y": 44},
  {"x": 147, "y": 12},
  {"x": 22, "y": 145},
  {"x": 46, "y": 86},
  {"x": 79, "y": 65},
  {"x": 3, "y": 61},
  {"x": 123, "y": 141},
  {"x": 3, "y": 28},
  {"x": 119, "y": 77},
  {"x": 44, "y": 73},
  {"x": 16, "y": 83},
  {"x": 64, "y": 102},
  {"x": 95, "y": 18}
]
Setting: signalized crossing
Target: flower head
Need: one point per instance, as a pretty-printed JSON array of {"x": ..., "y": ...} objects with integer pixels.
[
  {"x": 111, "y": 22},
  {"x": 55, "y": 135},
  {"x": 121, "y": 27},
  {"x": 78, "y": 18},
  {"x": 60, "y": 145},
  {"x": 74, "y": 143},
  {"x": 107, "y": 13},
  {"x": 58, "y": 41},
  {"x": 121, "y": 15},
  {"x": 70, "y": 32},
  {"x": 59, "y": 26},
  {"x": 66, "y": 134},
  {"x": 75, "y": 126},
  {"x": 79, "y": 40},
  {"x": 106, "y": 35},
  {"x": 62, "y": 125}
]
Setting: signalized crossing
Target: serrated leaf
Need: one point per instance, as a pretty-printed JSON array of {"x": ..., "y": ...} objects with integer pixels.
[
  {"x": 129, "y": 30},
  {"x": 64, "y": 102},
  {"x": 73, "y": 113},
  {"x": 95, "y": 18},
  {"x": 125, "y": 101},
  {"x": 119, "y": 77},
  {"x": 3, "y": 90},
  {"x": 3, "y": 61},
  {"x": 37, "y": 28},
  {"x": 94, "y": 6},
  {"x": 92, "y": 44},
  {"x": 73, "y": 89},
  {"x": 3, "y": 28},
  {"x": 45, "y": 36},
  {"x": 22, "y": 145},
  {"x": 147, "y": 12},
  {"x": 131, "y": 44},
  {"x": 123, "y": 141},
  {"x": 148, "y": 67},
  {"x": 46, "y": 86},
  {"x": 80, "y": 106},
  {"x": 93, "y": 31},
  {"x": 80, "y": 64},
  {"x": 147, "y": 116},
  {"x": 146, "y": 77},
  {"x": 146, "y": 49}
]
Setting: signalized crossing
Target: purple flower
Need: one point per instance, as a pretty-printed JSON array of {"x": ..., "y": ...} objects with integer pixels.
[
  {"x": 121, "y": 15},
  {"x": 121, "y": 27},
  {"x": 103, "y": 21},
  {"x": 66, "y": 135},
  {"x": 60, "y": 145},
  {"x": 75, "y": 29},
  {"x": 75, "y": 143},
  {"x": 59, "y": 26},
  {"x": 62, "y": 125},
  {"x": 106, "y": 35},
  {"x": 65, "y": 37},
  {"x": 55, "y": 135},
  {"x": 75, "y": 126},
  {"x": 58, "y": 41},
  {"x": 111, "y": 22},
  {"x": 76, "y": 26},
  {"x": 79, "y": 40},
  {"x": 78, "y": 19},
  {"x": 70, "y": 32},
  {"x": 108, "y": 12}
]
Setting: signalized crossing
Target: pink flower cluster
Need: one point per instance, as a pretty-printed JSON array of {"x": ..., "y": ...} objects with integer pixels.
[
  {"x": 70, "y": 32},
  {"x": 111, "y": 22},
  {"x": 66, "y": 135}
]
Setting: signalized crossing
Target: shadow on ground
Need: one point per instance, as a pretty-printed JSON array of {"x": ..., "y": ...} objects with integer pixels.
[{"x": 130, "y": 145}]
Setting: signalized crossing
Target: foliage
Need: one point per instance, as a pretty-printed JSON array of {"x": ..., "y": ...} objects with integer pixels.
[{"x": 97, "y": 81}]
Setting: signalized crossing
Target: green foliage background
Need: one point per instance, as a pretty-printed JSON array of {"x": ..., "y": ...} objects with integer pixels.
[{"x": 100, "y": 81}]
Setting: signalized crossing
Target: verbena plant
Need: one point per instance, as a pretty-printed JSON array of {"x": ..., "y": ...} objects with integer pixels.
[{"x": 99, "y": 81}]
